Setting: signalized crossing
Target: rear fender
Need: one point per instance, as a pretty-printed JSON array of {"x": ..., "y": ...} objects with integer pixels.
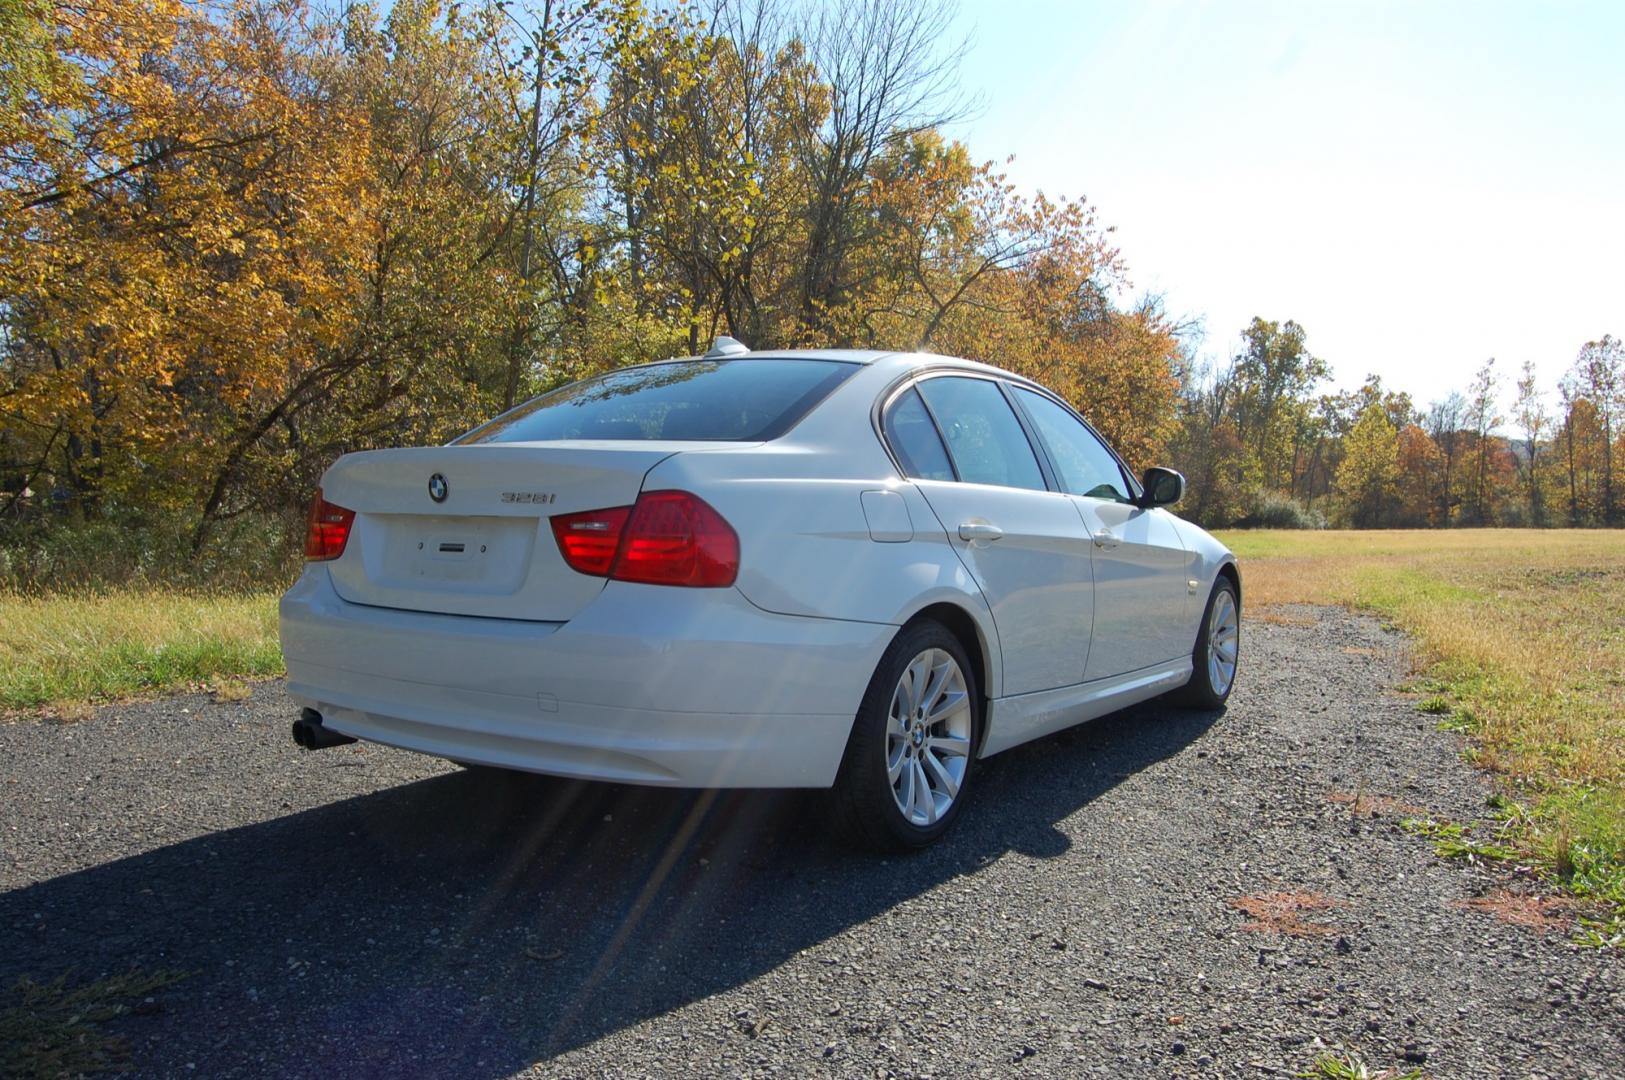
[{"x": 807, "y": 548}]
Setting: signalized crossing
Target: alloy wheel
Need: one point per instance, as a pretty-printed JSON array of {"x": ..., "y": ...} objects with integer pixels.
[
  {"x": 928, "y": 737},
  {"x": 1223, "y": 642}
]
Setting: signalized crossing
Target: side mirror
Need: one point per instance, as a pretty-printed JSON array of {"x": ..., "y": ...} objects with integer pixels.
[{"x": 1163, "y": 487}]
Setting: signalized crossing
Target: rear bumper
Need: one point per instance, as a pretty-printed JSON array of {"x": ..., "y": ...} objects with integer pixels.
[{"x": 647, "y": 685}]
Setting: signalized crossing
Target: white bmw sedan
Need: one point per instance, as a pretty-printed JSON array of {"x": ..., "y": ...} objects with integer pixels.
[{"x": 857, "y": 570}]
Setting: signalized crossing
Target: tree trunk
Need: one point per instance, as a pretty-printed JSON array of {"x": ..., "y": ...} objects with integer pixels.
[
  {"x": 1609, "y": 515},
  {"x": 1574, "y": 491}
]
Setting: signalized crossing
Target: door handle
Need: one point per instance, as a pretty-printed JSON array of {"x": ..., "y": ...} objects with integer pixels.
[
  {"x": 1106, "y": 540},
  {"x": 972, "y": 531}
]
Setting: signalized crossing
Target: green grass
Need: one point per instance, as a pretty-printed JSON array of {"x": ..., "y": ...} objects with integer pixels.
[
  {"x": 50, "y": 1030},
  {"x": 70, "y": 649},
  {"x": 1451, "y": 841},
  {"x": 1352, "y": 1067},
  {"x": 1521, "y": 635}
]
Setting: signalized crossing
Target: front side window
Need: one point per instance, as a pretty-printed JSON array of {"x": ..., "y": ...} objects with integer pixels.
[
  {"x": 1082, "y": 463},
  {"x": 984, "y": 437},
  {"x": 746, "y": 400}
]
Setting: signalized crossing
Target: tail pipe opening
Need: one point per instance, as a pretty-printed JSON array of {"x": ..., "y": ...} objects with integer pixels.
[{"x": 310, "y": 733}]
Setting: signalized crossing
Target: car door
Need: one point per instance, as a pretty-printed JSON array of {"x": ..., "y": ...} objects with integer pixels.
[
  {"x": 958, "y": 438},
  {"x": 1141, "y": 566}
]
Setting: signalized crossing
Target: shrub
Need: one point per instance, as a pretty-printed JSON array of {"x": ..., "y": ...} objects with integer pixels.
[
  {"x": 49, "y": 555},
  {"x": 1272, "y": 510}
]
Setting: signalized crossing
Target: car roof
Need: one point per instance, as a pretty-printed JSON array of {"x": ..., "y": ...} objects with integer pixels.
[
  {"x": 850, "y": 356},
  {"x": 891, "y": 360}
]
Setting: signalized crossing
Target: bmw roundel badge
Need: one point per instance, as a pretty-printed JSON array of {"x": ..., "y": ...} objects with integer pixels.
[{"x": 438, "y": 487}]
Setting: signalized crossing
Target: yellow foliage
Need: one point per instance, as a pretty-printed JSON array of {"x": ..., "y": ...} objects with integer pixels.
[
  {"x": 178, "y": 245},
  {"x": 240, "y": 238}
]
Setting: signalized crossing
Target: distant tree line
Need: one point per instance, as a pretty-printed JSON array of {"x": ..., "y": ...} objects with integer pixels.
[
  {"x": 240, "y": 238},
  {"x": 1262, "y": 446}
]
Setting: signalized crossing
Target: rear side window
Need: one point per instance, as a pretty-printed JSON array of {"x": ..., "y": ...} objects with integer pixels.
[
  {"x": 699, "y": 400},
  {"x": 914, "y": 439},
  {"x": 983, "y": 435}
]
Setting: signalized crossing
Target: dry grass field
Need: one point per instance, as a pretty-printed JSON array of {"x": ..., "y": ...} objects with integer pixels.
[
  {"x": 1521, "y": 635},
  {"x": 66, "y": 649}
]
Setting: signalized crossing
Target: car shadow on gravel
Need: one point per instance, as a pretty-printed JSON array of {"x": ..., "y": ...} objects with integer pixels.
[{"x": 471, "y": 926}]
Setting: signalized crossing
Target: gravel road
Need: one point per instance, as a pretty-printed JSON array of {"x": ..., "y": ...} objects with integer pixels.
[{"x": 366, "y": 912}]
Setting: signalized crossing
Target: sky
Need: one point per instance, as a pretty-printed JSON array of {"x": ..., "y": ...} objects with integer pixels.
[{"x": 1422, "y": 185}]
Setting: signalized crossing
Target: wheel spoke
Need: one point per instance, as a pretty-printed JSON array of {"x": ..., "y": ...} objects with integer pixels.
[
  {"x": 922, "y": 794},
  {"x": 940, "y": 673},
  {"x": 952, "y": 701},
  {"x": 951, "y": 745},
  {"x": 919, "y": 676},
  {"x": 946, "y": 781}
]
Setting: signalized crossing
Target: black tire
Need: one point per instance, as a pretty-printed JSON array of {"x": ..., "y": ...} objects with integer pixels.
[
  {"x": 1200, "y": 693},
  {"x": 865, "y": 811}
]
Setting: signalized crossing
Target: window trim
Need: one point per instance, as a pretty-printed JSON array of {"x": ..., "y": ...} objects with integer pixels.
[{"x": 889, "y": 396}]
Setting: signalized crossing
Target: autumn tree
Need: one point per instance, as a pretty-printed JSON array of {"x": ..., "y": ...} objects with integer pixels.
[
  {"x": 1482, "y": 414},
  {"x": 1366, "y": 479},
  {"x": 238, "y": 240},
  {"x": 1330, "y": 421},
  {"x": 1529, "y": 411},
  {"x": 1205, "y": 445},
  {"x": 1576, "y": 438},
  {"x": 244, "y": 239},
  {"x": 1418, "y": 474},
  {"x": 174, "y": 237},
  {"x": 723, "y": 219},
  {"x": 887, "y": 72},
  {"x": 1274, "y": 374},
  {"x": 1443, "y": 423},
  {"x": 1599, "y": 376},
  {"x": 956, "y": 234},
  {"x": 30, "y": 63},
  {"x": 701, "y": 131}
]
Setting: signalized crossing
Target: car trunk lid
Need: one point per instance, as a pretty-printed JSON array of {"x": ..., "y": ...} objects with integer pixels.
[{"x": 485, "y": 546}]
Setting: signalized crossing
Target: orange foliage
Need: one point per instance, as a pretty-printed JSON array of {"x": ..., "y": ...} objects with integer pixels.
[{"x": 179, "y": 237}]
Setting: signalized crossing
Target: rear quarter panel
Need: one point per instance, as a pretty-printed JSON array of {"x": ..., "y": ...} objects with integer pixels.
[{"x": 806, "y": 546}]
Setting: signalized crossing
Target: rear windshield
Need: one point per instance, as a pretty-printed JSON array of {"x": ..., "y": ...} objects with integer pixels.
[{"x": 729, "y": 400}]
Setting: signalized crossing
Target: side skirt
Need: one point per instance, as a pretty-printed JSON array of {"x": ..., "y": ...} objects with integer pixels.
[{"x": 1012, "y": 721}]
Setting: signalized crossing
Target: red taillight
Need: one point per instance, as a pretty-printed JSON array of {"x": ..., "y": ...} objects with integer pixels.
[
  {"x": 667, "y": 538},
  {"x": 675, "y": 538},
  {"x": 327, "y": 529},
  {"x": 589, "y": 540}
]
